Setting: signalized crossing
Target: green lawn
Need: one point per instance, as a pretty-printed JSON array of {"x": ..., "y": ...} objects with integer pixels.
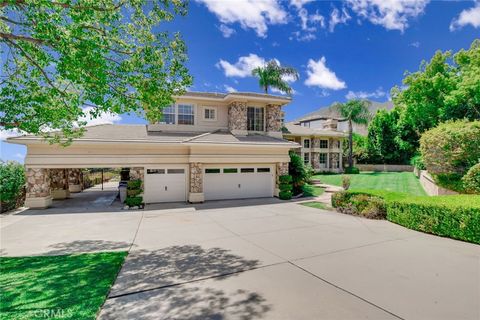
[
  {"x": 312, "y": 191},
  {"x": 315, "y": 204},
  {"x": 390, "y": 181},
  {"x": 57, "y": 287}
]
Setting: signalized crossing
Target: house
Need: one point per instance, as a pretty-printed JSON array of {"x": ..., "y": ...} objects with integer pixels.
[
  {"x": 208, "y": 146},
  {"x": 322, "y": 148},
  {"x": 319, "y": 119}
]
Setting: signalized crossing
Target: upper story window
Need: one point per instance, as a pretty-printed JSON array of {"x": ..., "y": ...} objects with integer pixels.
[
  {"x": 306, "y": 143},
  {"x": 185, "y": 114},
  {"x": 169, "y": 115},
  {"x": 324, "y": 144},
  {"x": 209, "y": 114},
  {"x": 256, "y": 119}
]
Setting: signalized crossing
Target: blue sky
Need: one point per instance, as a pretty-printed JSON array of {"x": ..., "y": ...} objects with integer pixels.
[{"x": 358, "y": 48}]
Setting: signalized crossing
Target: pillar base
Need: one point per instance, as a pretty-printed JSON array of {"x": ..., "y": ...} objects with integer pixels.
[
  {"x": 74, "y": 188},
  {"x": 38, "y": 202},
  {"x": 196, "y": 197},
  {"x": 59, "y": 194}
]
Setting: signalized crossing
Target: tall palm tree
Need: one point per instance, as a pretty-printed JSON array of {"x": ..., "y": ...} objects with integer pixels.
[
  {"x": 272, "y": 75},
  {"x": 354, "y": 111}
]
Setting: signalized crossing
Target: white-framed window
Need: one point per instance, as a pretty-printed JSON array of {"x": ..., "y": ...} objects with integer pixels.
[
  {"x": 256, "y": 119},
  {"x": 306, "y": 143},
  {"x": 322, "y": 158},
  {"x": 323, "y": 144},
  {"x": 209, "y": 113},
  {"x": 169, "y": 115},
  {"x": 306, "y": 158},
  {"x": 179, "y": 114}
]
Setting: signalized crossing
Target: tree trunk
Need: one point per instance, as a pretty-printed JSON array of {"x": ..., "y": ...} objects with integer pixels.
[
  {"x": 266, "y": 89},
  {"x": 350, "y": 144}
]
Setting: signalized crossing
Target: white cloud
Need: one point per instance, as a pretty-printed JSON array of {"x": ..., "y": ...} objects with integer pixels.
[
  {"x": 391, "y": 14},
  {"x": 337, "y": 17},
  {"x": 379, "y": 93},
  {"x": 466, "y": 17},
  {"x": 299, "y": 3},
  {"x": 320, "y": 76},
  {"x": 415, "y": 44},
  {"x": 275, "y": 90},
  {"x": 250, "y": 14},
  {"x": 229, "y": 88},
  {"x": 104, "y": 118},
  {"x": 226, "y": 30},
  {"x": 243, "y": 67}
]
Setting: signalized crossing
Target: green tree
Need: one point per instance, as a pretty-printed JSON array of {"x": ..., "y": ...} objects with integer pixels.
[
  {"x": 354, "y": 111},
  {"x": 111, "y": 55},
  {"x": 12, "y": 181},
  {"x": 272, "y": 75}
]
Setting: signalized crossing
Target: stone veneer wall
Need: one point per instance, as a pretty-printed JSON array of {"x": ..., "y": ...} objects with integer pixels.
[
  {"x": 38, "y": 182},
  {"x": 137, "y": 173},
  {"x": 282, "y": 169},
  {"x": 316, "y": 160},
  {"x": 237, "y": 116},
  {"x": 74, "y": 176},
  {"x": 59, "y": 179},
  {"x": 273, "y": 118},
  {"x": 316, "y": 143},
  {"x": 196, "y": 177}
]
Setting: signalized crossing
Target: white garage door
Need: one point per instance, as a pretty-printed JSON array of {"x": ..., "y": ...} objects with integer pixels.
[
  {"x": 232, "y": 182},
  {"x": 165, "y": 185}
]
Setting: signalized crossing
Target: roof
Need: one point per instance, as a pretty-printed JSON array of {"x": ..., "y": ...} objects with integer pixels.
[
  {"x": 139, "y": 133},
  {"x": 297, "y": 130},
  {"x": 329, "y": 113},
  {"x": 236, "y": 95}
]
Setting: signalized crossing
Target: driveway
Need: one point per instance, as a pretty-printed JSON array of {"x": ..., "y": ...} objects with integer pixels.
[{"x": 262, "y": 259}]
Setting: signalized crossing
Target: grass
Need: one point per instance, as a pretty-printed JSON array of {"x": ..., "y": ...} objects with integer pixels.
[
  {"x": 57, "y": 287},
  {"x": 316, "y": 205},
  {"x": 312, "y": 191},
  {"x": 405, "y": 182}
]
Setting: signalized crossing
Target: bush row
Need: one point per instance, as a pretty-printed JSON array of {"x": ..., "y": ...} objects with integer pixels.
[{"x": 456, "y": 217}]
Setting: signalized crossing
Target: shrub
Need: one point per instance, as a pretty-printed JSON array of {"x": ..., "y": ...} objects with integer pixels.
[
  {"x": 285, "y": 186},
  {"x": 134, "y": 184},
  {"x": 134, "y": 201},
  {"x": 285, "y": 195},
  {"x": 352, "y": 170},
  {"x": 417, "y": 162},
  {"x": 450, "y": 181},
  {"x": 300, "y": 174},
  {"x": 471, "y": 181},
  {"x": 345, "y": 182},
  {"x": 451, "y": 147},
  {"x": 12, "y": 185},
  {"x": 457, "y": 216}
]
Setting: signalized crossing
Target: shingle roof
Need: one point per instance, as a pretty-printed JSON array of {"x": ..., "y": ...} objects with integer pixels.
[
  {"x": 139, "y": 133},
  {"x": 297, "y": 130}
]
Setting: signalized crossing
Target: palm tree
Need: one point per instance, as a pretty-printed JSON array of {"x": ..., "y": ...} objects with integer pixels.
[
  {"x": 354, "y": 111},
  {"x": 272, "y": 75}
]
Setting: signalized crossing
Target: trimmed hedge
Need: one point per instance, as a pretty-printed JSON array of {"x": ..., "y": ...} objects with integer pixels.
[
  {"x": 285, "y": 186},
  {"x": 456, "y": 216},
  {"x": 352, "y": 170}
]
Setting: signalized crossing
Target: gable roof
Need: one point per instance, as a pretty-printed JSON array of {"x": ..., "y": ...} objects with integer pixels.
[{"x": 298, "y": 130}]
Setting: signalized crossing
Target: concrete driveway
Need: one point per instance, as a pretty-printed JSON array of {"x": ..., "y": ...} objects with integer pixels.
[{"x": 262, "y": 259}]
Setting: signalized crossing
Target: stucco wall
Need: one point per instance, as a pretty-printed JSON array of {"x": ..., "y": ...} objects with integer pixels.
[{"x": 430, "y": 187}]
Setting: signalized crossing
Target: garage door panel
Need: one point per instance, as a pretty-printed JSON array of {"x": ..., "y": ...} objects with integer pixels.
[
  {"x": 245, "y": 182},
  {"x": 165, "y": 185}
]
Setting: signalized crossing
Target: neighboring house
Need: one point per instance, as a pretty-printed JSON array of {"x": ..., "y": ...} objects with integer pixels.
[
  {"x": 208, "y": 146},
  {"x": 318, "y": 119},
  {"x": 320, "y": 148}
]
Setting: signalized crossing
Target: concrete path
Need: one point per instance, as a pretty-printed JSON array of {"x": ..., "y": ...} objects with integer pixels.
[{"x": 262, "y": 259}]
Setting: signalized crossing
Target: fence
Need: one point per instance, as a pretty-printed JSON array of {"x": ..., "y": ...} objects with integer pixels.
[{"x": 385, "y": 167}]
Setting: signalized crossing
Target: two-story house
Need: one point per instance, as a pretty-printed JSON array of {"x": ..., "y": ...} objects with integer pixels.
[
  {"x": 207, "y": 146},
  {"x": 320, "y": 148}
]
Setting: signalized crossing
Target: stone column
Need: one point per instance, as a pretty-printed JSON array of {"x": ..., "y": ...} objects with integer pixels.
[
  {"x": 38, "y": 188},
  {"x": 59, "y": 183},
  {"x": 281, "y": 170},
  {"x": 273, "y": 118},
  {"x": 74, "y": 180},
  {"x": 315, "y": 160},
  {"x": 237, "y": 118},
  {"x": 137, "y": 173},
  {"x": 195, "y": 194}
]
